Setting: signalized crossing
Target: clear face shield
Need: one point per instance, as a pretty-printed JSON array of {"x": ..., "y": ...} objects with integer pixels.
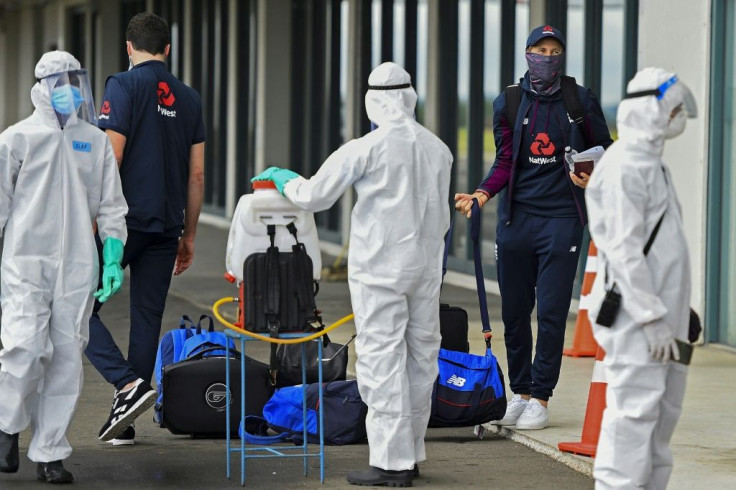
[{"x": 71, "y": 97}]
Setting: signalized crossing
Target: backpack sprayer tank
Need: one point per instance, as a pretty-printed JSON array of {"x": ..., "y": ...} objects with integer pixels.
[{"x": 266, "y": 206}]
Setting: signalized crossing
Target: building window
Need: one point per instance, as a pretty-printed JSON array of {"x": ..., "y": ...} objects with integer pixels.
[
  {"x": 522, "y": 33},
  {"x": 421, "y": 63},
  {"x": 575, "y": 40},
  {"x": 491, "y": 89},
  {"x": 461, "y": 163},
  {"x": 721, "y": 258},
  {"x": 376, "y": 32},
  {"x": 344, "y": 43},
  {"x": 612, "y": 64},
  {"x": 399, "y": 29},
  {"x": 245, "y": 114}
]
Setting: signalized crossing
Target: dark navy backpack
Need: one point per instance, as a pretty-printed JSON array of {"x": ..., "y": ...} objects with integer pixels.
[
  {"x": 344, "y": 415},
  {"x": 181, "y": 343}
]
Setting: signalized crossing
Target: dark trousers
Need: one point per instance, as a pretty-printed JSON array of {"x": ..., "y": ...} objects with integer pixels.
[
  {"x": 151, "y": 258},
  {"x": 536, "y": 256}
]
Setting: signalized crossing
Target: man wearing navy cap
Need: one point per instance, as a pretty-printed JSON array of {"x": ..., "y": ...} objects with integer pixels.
[{"x": 542, "y": 215}]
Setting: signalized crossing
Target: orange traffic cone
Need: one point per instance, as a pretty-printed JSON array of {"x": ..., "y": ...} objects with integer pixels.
[
  {"x": 593, "y": 413},
  {"x": 583, "y": 343}
]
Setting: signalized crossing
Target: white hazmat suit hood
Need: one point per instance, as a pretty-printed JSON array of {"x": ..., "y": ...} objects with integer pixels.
[
  {"x": 401, "y": 174},
  {"x": 55, "y": 184},
  {"x": 629, "y": 191},
  {"x": 390, "y": 96},
  {"x": 643, "y": 120}
]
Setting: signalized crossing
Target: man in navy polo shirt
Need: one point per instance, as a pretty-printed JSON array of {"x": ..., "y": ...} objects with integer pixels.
[
  {"x": 541, "y": 219},
  {"x": 155, "y": 124}
]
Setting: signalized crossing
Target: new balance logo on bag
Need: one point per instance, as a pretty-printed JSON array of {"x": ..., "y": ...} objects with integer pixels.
[{"x": 456, "y": 380}]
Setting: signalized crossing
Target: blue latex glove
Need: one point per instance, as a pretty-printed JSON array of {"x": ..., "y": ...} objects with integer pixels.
[
  {"x": 279, "y": 176},
  {"x": 112, "y": 272}
]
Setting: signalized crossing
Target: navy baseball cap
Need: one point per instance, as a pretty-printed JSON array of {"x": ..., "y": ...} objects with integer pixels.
[{"x": 544, "y": 31}]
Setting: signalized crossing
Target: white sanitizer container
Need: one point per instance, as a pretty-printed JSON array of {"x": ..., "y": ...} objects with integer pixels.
[{"x": 248, "y": 235}]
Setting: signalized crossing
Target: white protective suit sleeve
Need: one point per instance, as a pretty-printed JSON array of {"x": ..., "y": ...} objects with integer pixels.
[
  {"x": 113, "y": 207},
  {"x": 345, "y": 166},
  {"x": 9, "y": 168},
  {"x": 623, "y": 234}
]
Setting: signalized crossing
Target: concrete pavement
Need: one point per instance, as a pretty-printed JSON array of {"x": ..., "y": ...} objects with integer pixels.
[{"x": 704, "y": 451}]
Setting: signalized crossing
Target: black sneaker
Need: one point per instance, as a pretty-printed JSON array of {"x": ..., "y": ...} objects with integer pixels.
[
  {"x": 126, "y": 406},
  {"x": 127, "y": 438}
]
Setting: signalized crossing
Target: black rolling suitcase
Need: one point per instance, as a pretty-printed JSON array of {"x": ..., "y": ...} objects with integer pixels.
[
  {"x": 453, "y": 319},
  {"x": 195, "y": 398},
  {"x": 454, "y": 328}
]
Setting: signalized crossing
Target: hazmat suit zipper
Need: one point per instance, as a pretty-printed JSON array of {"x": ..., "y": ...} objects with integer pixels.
[{"x": 62, "y": 172}]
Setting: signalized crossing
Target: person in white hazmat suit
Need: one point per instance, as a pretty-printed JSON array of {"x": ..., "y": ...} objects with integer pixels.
[
  {"x": 629, "y": 192},
  {"x": 401, "y": 173},
  {"x": 58, "y": 176}
]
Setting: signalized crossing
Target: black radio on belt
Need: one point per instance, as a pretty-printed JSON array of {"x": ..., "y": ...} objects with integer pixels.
[
  {"x": 612, "y": 301},
  {"x": 609, "y": 308}
]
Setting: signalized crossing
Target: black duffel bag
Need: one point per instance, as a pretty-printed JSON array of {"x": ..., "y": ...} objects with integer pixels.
[{"x": 334, "y": 362}]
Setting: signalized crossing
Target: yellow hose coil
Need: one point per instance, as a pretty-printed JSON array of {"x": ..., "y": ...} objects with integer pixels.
[{"x": 222, "y": 301}]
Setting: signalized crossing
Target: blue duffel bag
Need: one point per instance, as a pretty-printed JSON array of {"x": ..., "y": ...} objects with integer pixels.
[
  {"x": 344, "y": 415},
  {"x": 470, "y": 388}
]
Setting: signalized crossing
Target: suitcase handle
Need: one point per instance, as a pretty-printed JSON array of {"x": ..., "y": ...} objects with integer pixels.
[{"x": 211, "y": 347}]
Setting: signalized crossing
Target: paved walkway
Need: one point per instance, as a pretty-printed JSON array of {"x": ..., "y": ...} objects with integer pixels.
[
  {"x": 705, "y": 452},
  {"x": 704, "y": 444}
]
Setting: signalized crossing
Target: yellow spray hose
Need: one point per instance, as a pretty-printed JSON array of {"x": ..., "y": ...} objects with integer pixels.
[{"x": 222, "y": 301}]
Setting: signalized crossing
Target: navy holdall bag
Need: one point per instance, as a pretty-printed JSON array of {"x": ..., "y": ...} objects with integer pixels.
[
  {"x": 470, "y": 388},
  {"x": 344, "y": 415}
]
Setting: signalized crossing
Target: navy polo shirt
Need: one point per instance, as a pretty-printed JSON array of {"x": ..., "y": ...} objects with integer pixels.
[
  {"x": 542, "y": 185},
  {"x": 161, "y": 118}
]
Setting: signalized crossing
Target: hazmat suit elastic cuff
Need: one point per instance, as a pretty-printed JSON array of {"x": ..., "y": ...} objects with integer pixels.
[{"x": 291, "y": 186}]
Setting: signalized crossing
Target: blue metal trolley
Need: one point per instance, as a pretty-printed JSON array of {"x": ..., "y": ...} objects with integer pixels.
[{"x": 253, "y": 451}]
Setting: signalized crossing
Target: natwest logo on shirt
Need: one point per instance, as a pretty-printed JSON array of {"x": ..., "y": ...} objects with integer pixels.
[
  {"x": 542, "y": 145},
  {"x": 105, "y": 110},
  {"x": 544, "y": 149},
  {"x": 165, "y": 98}
]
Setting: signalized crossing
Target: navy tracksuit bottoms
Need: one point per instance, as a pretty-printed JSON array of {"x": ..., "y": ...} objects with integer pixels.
[
  {"x": 151, "y": 258},
  {"x": 537, "y": 257}
]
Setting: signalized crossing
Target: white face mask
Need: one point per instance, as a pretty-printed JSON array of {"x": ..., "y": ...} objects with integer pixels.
[{"x": 676, "y": 125}]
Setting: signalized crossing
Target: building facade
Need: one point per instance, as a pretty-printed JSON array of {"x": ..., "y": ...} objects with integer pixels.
[{"x": 282, "y": 83}]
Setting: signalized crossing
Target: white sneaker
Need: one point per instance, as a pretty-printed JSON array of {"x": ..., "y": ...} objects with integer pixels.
[
  {"x": 535, "y": 416},
  {"x": 514, "y": 409}
]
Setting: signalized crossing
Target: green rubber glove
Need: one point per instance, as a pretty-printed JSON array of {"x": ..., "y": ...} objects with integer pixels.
[
  {"x": 112, "y": 272},
  {"x": 279, "y": 176}
]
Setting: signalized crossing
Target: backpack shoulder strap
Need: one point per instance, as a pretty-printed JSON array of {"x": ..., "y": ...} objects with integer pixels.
[
  {"x": 513, "y": 102},
  {"x": 258, "y": 439},
  {"x": 571, "y": 99}
]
